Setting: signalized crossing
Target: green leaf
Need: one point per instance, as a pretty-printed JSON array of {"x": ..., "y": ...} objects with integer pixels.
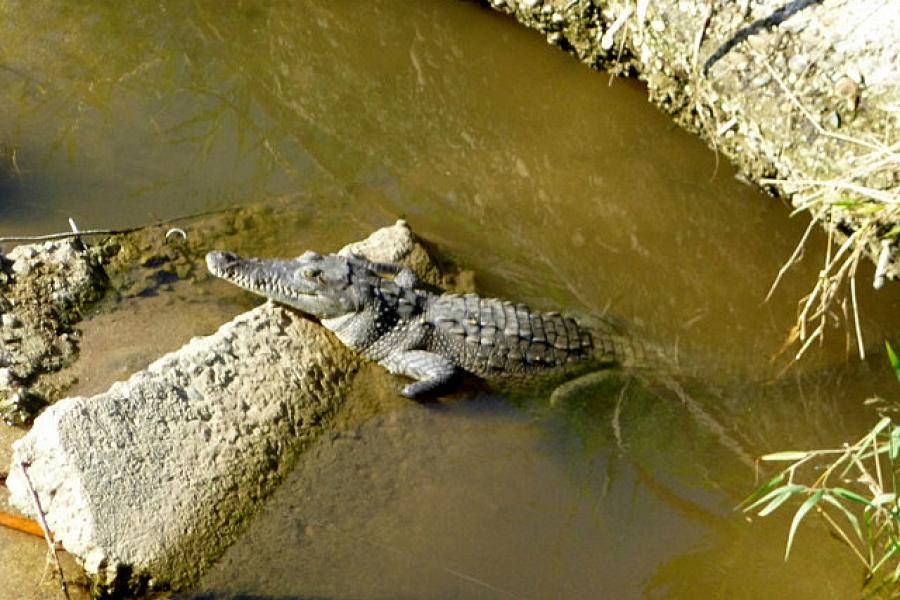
[
  {"x": 801, "y": 512},
  {"x": 894, "y": 443},
  {"x": 848, "y": 495},
  {"x": 892, "y": 356},
  {"x": 778, "y": 501},
  {"x": 787, "y": 455},
  {"x": 887, "y": 555},
  {"x": 763, "y": 489},
  {"x": 862, "y": 446},
  {"x": 785, "y": 489},
  {"x": 850, "y": 516}
]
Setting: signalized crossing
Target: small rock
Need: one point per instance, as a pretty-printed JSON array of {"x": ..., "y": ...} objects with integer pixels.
[
  {"x": 832, "y": 120},
  {"x": 798, "y": 63},
  {"x": 849, "y": 91},
  {"x": 9, "y": 320},
  {"x": 554, "y": 38},
  {"x": 529, "y": 4},
  {"x": 657, "y": 25},
  {"x": 761, "y": 80},
  {"x": 557, "y": 19},
  {"x": 21, "y": 407},
  {"x": 6, "y": 378},
  {"x": 21, "y": 267}
]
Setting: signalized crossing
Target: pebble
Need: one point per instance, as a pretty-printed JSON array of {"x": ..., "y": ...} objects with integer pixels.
[
  {"x": 848, "y": 90},
  {"x": 21, "y": 267},
  {"x": 761, "y": 80},
  {"x": 658, "y": 25},
  {"x": 529, "y": 4},
  {"x": 9, "y": 321},
  {"x": 6, "y": 378},
  {"x": 557, "y": 19},
  {"x": 798, "y": 63},
  {"x": 832, "y": 120}
]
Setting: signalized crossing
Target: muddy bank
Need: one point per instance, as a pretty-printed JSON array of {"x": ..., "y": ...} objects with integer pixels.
[{"x": 802, "y": 96}]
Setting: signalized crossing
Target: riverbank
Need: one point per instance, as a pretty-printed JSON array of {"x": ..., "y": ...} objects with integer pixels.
[{"x": 802, "y": 97}]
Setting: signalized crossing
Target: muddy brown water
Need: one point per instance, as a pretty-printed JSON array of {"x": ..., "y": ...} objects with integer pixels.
[{"x": 554, "y": 186}]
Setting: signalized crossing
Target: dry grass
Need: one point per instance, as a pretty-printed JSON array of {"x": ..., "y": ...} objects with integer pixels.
[
  {"x": 847, "y": 202},
  {"x": 873, "y": 216}
]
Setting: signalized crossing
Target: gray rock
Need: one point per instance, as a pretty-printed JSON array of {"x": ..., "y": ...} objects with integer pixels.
[
  {"x": 21, "y": 267},
  {"x": 6, "y": 378},
  {"x": 148, "y": 482}
]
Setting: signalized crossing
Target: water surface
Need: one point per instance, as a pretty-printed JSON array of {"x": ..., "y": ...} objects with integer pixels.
[{"x": 556, "y": 188}]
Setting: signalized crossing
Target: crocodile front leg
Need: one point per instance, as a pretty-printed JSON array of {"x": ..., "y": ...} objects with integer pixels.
[{"x": 431, "y": 371}]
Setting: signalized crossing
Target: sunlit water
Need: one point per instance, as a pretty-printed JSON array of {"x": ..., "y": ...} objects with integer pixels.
[{"x": 554, "y": 187}]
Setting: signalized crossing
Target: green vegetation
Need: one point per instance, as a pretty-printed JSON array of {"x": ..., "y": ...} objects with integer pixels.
[{"x": 854, "y": 489}]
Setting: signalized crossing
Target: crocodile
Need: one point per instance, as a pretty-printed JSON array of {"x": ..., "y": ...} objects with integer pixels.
[{"x": 382, "y": 312}]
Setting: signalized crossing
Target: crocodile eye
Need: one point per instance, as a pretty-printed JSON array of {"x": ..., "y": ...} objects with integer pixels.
[{"x": 310, "y": 273}]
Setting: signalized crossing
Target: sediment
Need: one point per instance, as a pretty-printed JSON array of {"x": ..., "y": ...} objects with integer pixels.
[{"x": 801, "y": 96}]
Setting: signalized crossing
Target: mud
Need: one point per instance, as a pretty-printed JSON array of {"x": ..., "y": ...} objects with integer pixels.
[{"x": 802, "y": 96}]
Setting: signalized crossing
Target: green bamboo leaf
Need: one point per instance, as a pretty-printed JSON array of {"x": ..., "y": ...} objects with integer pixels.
[
  {"x": 892, "y": 551},
  {"x": 763, "y": 489},
  {"x": 801, "y": 512},
  {"x": 850, "y": 516},
  {"x": 892, "y": 356},
  {"x": 787, "y": 455},
  {"x": 848, "y": 495},
  {"x": 862, "y": 445},
  {"x": 884, "y": 422},
  {"x": 785, "y": 489},
  {"x": 895, "y": 443},
  {"x": 775, "y": 503}
]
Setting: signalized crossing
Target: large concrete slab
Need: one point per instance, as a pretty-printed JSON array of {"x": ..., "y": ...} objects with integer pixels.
[{"x": 148, "y": 482}]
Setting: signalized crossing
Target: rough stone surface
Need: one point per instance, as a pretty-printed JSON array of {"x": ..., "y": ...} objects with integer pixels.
[
  {"x": 804, "y": 91},
  {"x": 148, "y": 482},
  {"x": 162, "y": 469},
  {"x": 395, "y": 245},
  {"x": 43, "y": 289}
]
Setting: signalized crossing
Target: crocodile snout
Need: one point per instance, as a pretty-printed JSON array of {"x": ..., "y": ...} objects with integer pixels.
[{"x": 217, "y": 262}]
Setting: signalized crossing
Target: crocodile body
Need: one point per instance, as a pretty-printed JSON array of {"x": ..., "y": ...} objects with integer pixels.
[{"x": 379, "y": 311}]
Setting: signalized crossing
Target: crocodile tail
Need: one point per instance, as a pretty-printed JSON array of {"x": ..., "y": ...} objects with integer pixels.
[
  {"x": 615, "y": 346},
  {"x": 631, "y": 353}
]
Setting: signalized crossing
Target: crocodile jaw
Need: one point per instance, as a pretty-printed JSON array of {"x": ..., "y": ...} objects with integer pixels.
[{"x": 298, "y": 283}]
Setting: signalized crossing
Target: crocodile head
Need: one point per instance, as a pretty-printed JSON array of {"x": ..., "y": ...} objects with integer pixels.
[{"x": 317, "y": 285}]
